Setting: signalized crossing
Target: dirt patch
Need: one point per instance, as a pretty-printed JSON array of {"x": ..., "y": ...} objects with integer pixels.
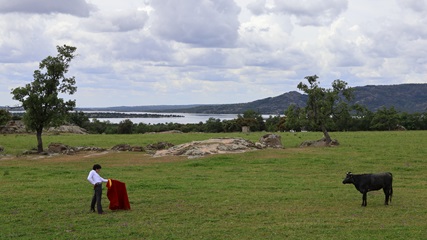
[{"x": 93, "y": 154}]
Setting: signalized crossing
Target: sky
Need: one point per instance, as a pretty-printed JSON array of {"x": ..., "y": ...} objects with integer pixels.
[{"x": 178, "y": 52}]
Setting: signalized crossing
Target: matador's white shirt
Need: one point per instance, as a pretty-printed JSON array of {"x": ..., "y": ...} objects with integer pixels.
[{"x": 95, "y": 178}]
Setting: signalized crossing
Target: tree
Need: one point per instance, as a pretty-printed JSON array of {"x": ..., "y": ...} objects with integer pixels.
[
  {"x": 251, "y": 119},
  {"x": 295, "y": 117},
  {"x": 125, "y": 127},
  {"x": 325, "y": 104},
  {"x": 40, "y": 98},
  {"x": 385, "y": 119},
  {"x": 5, "y": 116},
  {"x": 272, "y": 123},
  {"x": 213, "y": 125},
  {"x": 79, "y": 118},
  {"x": 97, "y": 126},
  {"x": 361, "y": 119}
]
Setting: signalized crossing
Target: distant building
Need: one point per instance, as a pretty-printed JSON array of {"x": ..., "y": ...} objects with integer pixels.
[{"x": 246, "y": 129}]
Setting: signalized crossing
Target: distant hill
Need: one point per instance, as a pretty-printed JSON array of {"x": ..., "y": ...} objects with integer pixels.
[
  {"x": 150, "y": 108},
  {"x": 408, "y": 98},
  {"x": 271, "y": 105}
]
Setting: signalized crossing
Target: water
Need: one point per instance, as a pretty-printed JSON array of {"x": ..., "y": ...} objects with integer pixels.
[{"x": 187, "y": 118}]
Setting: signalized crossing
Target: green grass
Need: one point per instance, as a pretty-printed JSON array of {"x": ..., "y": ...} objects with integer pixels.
[{"x": 289, "y": 193}]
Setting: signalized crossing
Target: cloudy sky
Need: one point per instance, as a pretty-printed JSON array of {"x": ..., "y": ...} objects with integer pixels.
[{"x": 157, "y": 52}]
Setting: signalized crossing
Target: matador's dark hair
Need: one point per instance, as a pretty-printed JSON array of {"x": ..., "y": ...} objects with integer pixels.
[{"x": 96, "y": 166}]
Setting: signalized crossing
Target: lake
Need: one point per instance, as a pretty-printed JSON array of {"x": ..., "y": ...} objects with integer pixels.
[{"x": 187, "y": 118}]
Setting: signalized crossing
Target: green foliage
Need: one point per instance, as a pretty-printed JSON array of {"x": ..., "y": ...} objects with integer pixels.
[
  {"x": 231, "y": 126},
  {"x": 79, "y": 118},
  {"x": 356, "y": 118},
  {"x": 213, "y": 125},
  {"x": 296, "y": 118},
  {"x": 251, "y": 119},
  {"x": 325, "y": 104},
  {"x": 385, "y": 119},
  {"x": 415, "y": 121},
  {"x": 274, "y": 124},
  {"x": 141, "y": 128},
  {"x": 40, "y": 98},
  {"x": 289, "y": 193},
  {"x": 125, "y": 127},
  {"x": 5, "y": 116}
]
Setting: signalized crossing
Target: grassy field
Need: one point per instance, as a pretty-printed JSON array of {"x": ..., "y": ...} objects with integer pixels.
[{"x": 290, "y": 193}]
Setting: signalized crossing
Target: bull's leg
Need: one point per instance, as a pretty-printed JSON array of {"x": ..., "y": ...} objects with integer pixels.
[
  {"x": 364, "y": 202},
  {"x": 387, "y": 195}
]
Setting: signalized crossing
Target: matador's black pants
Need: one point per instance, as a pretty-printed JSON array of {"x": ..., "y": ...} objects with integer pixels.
[{"x": 97, "y": 198}]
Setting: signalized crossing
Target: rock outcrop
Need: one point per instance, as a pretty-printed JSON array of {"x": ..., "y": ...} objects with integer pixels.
[
  {"x": 18, "y": 126},
  {"x": 59, "y": 148},
  {"x": 127, "y": 147},
  {"x": 67, "y": 129},
  {"x": 211, "y": 146},
  {"x": 12, "y": 127},
  {"x": 271, "y": 140}
]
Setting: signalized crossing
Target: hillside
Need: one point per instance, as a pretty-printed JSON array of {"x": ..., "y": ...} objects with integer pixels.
[
  {"x": 271, "y": 105},
  {"x": 408, "y": 98}
]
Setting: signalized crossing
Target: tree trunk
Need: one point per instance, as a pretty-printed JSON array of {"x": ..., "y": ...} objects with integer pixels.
[
  {"x": 39, "y": 140},
  {"x": 326, "y": 135}
]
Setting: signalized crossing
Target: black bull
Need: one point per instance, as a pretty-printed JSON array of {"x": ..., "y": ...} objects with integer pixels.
[{"x": 371, "y": 182}]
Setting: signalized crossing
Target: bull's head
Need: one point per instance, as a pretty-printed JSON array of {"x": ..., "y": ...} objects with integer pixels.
[{"x": 348, "y": 178}]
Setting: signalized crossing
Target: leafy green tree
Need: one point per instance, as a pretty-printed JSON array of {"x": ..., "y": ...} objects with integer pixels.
[
  {"x": 213, "y": 125},
  {"x": 231, "y": 125},
  {"x": 272, "y": 123},
  {"x": 40, "y": 98},
  {"x": 96, "y": 126},
  {"x": 251, "y": 119},
  {"x": 361, "y": 118},
  {"x": 295, "y": 118},
  {"x": 342, "y": 122},
  {"x": 79, "y": 118},
  {"x": 324, "y": 104},
  {"x": 385, "y": 119},
  {"x": 5, "y": 116},
  {"x": 125, "y": 127},
  {"x": 411, "y": 121},
  {"x": 142, "y": 128}
]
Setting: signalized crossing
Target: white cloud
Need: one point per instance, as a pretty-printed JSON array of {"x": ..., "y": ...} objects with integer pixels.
[
  {"x": 258, "y": 7},
  {"x": 116, "y": 21},
  {"x": 311, "y": 12},
  {"x": 209, "y": 51},
  {"x": 202, "y": 23},
  {"x": 74, "y": 7}
]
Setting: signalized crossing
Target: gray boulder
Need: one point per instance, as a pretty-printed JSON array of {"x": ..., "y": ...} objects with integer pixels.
[{"x": 271, "y": 140}]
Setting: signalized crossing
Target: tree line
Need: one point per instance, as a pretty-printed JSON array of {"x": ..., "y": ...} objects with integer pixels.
[{"x": 294, "y": 119}]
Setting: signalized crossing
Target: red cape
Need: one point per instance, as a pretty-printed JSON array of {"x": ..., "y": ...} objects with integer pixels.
[{"x": 117, "y": 195}]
